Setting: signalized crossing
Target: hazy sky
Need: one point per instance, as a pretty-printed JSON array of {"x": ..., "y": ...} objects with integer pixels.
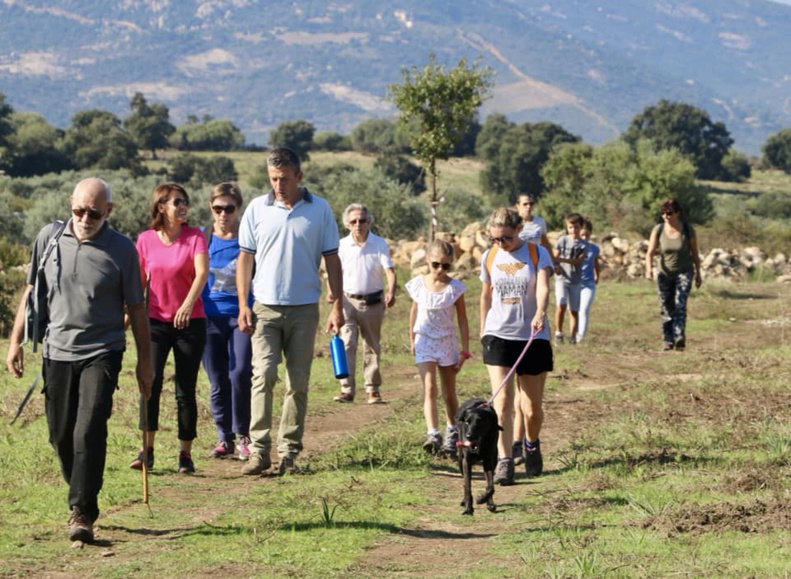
[{"x": 783, "y": 2}]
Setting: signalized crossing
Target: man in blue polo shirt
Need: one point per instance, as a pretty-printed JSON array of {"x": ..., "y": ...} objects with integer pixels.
[{"x": 284, "y": 233}]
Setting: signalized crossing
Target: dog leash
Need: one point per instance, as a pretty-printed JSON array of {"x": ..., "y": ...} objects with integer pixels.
[{"x": 513, "y": 368}]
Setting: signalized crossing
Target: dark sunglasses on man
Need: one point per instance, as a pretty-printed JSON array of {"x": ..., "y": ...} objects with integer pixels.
[{"x": 440, "y": 264}]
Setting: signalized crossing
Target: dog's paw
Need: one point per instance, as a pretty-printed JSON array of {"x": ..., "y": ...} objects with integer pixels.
[
  {"x": 492, "y": 507},
  {"x": 484, "y": 497}
]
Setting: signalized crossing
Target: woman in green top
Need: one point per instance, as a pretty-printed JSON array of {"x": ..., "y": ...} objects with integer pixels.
[{"x": 678, "y": 263}]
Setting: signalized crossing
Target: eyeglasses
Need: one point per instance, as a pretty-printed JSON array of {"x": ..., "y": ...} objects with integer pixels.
[
  {"x": 227, "y": 209},
  {"x": 503, "y": 239},
  {"x": 356, "y": 221},
  {"x": 440, "y": 264},
  {"x": 79, "y": 212},
  {"x": 178, "y": 202}
]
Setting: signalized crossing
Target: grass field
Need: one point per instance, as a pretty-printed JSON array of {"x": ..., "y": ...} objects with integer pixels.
[{"x": 656, "y": 465}]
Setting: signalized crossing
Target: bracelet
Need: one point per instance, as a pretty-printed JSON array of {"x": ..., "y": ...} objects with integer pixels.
[{"x": 465, "y": 354}]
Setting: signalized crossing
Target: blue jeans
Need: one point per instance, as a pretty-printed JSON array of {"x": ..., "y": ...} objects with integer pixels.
[
  {"x": 78, "y": 402},
  {"x": 227, "y": 359},
  {"x": 673, "y": 293}
]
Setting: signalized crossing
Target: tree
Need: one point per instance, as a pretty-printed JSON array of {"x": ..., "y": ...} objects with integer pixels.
[
  {"x": 777, "y": 150},
  {"x": 200, "y": 171},
  {"x": 437, "y": 107},
  {"x": 207, "y": 135},
  {"x": 376, "y": 135},
  {"x": 149, "y": 125},
  {"x": 34, "y": 147},
  {"x": 296, "y": 135},
  {"x": 96, "y": 140},
  {"x": 619, "y": 186},
  {"x": 493, "y": 130},
  {"x": 688, "y": 129},
  {"x": 5, "y": 129},
  {"x": 516, "y": 154},
  {"x": 331, "y": 141}
]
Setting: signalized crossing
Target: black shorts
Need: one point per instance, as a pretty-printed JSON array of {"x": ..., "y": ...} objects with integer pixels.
[{"x": 500, "y": 352}]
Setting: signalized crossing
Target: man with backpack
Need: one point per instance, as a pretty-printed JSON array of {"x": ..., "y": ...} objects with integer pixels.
[{"x": 90, "y": 277}]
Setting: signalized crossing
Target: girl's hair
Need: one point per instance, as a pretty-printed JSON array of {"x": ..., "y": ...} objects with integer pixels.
[
  {"x": 504, "y": 217},
  {"x": 587, "y": 224},
  {"x": 440, "y": 246},
  {"x": 161, "y": 194},
  {"x": 576, "y": 219},
  {"x": 671, "y": 205},
  {"x": 229, "y": 189}
]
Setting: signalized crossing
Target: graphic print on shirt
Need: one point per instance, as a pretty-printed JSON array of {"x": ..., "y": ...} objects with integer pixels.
[
  {"x": 511, "y": 289},
  {"x": 224, "y": 278}
]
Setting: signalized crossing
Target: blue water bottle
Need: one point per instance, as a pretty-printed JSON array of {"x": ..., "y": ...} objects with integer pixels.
[{"x": 338, "y": 353}]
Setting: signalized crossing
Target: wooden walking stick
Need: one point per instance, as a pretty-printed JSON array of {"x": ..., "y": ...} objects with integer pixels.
[{"x": 144, "y": 409}]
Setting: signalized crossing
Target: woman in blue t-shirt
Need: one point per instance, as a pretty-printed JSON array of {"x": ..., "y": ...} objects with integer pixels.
[{"x": 227, "y": 357}]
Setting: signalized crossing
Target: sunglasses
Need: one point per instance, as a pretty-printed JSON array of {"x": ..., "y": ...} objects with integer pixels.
[
  {"x": 79, "y": 212},
  {"x": 503, "y": 239},
  {"x": 227, "y": 209},
  {"x": 356, "y": 221},
  {"x": 668, "y": 212},
  {"x": 440, "y": 264},
  {"x": 178, "y": 202}
]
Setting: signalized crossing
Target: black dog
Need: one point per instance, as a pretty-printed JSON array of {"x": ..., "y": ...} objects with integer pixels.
[{"x": 479, "y": 430}]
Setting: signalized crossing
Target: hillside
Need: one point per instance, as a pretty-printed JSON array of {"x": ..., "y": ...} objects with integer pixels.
[{"x": 588, "y": 66}]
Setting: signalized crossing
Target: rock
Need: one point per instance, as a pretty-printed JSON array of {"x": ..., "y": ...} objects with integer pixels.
[
  {"x": 417, "y": 258},
  {"x": 783, "y": 279}
]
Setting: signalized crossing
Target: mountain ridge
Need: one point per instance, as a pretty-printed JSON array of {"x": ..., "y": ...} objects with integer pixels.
[{"x": 588, "y": 66}]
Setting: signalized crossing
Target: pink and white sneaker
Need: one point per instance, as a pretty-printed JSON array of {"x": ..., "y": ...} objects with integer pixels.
[{"x": 244, "y": 447}]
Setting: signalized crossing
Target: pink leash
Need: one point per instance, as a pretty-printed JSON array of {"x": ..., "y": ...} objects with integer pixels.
[{"x": 513, "y": 368}]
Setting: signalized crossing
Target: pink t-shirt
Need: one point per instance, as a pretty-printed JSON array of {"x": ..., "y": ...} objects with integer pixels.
[{"x": 170, "y": 271}]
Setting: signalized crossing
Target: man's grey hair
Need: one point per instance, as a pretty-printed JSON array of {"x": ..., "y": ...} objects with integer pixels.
[{"x": 357, "y": 207}]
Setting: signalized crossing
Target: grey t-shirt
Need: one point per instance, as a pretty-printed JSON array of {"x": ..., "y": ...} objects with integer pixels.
[
  {"x": 570, "y": 248},
  {"x": 87, "y": 285}
]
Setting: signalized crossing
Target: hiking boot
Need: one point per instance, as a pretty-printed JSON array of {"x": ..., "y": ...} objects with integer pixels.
[
  {"x": 257, "y": 464},
  {"x": 186, "y": 466},
  {"x": 244, "y": 447},
  {"x": 287, "y": 466},
  {"x": 558, "y": 338},
  {"x": 80, "y": 526},
  {"x": 450, "y": 449},
  {"x": 375, "y": 398},
  {"x": 504, "y": 472},
  {"x": 572, "y": 340},
  {"x": 344, "y": 397},
  {"x": 137, "y": 463},
  {"x": 223, "y": 450},
  {"x": 516, "y": 452},
  {"x": 534, "y": 463},
  {"x": 681, "y": 343},
  {"x": 667, "y": 346},
  {"x": 433, "y": 443}
]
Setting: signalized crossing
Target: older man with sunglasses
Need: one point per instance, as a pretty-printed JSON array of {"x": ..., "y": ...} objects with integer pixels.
[
  {"x": 85, "y": 340},
  {"x": 364, "y": 257}
]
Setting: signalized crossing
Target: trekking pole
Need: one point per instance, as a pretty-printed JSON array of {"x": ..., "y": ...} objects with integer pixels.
[
  {"x": 25, "y": 400},
  {"x": 144, "y": 410}
]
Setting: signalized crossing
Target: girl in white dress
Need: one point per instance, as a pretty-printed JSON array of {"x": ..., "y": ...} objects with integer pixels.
[{"x": 432, "y": 336}]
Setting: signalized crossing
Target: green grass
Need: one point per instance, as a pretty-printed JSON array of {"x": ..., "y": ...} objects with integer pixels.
[{"x": 657, "y": 464}]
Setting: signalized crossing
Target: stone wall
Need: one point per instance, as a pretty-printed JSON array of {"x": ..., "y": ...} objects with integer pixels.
[{"x": 620, "y": 258}]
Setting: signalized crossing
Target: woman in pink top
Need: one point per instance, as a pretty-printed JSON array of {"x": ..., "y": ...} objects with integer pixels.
[{"x": 174, "y": 263}]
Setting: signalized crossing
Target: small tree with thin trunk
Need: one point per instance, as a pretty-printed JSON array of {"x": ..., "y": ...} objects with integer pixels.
[{"x": 437, "y": 107}]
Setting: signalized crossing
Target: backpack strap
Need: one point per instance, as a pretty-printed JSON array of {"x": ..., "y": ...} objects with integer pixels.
[
  {"x": 490, "y": 259},
  {"x": 208, "y": 232}
]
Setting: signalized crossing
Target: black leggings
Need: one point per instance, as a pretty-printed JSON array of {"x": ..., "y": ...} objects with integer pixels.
[{"x": 187, "y": 345}]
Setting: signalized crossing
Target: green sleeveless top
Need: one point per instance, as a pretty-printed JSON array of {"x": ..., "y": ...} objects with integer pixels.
[{"x": 675, "y": 256}]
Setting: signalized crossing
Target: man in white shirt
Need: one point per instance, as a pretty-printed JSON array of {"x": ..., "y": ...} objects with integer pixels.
[{"x": 364, "y": 258}]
